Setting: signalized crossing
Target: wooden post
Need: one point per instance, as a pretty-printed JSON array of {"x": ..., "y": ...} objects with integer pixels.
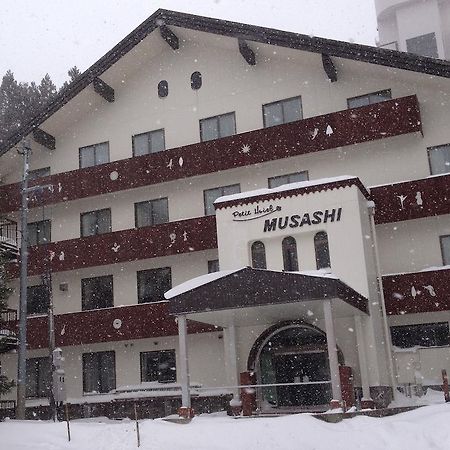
[
  {"x": 137, "y": 426},
  {"x": 445, "y": 386},
  {"x": 67, "y": 420}
]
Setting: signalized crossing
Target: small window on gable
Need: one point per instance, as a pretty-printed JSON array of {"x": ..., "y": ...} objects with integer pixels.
[
  {"x": 258, "y": 255},
  {"x": 439, "y": 158},
  {"x": 149, "y": 142},
  {"x": 163, "y": 89},
  {"x": 424, "y": 45},
  {"x": 283, "y": 111},
  {"x": 287, "y": 179},
  {"x": 290, "y": 258},
  {"x": 196, "y": 80},
  {"x": 322, "y": 250},
  {"x": 369, "y": 99}
]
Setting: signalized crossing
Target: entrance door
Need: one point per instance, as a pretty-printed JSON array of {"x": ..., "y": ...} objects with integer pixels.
[
  {"x": 307, "y": 369},
  {"x": 293, "y": 362}
]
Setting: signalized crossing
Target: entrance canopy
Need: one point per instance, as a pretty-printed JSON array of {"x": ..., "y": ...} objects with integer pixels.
[{"x": 250, "y": 296}]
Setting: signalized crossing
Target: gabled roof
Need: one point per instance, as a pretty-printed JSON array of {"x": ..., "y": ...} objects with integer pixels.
[
  {"x": 357, "y": 52},
  {"x": 250, "y": 287}
]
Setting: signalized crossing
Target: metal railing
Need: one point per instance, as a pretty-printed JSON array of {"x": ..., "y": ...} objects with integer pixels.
[
  {"x": 8, "y": 231},
  {"x": 7, "y": 404},
  {"x": 8, "y": 315}
]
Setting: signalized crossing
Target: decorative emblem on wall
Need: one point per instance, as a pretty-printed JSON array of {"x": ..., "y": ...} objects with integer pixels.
[
  {"x": 245, "y": 148},
  {"x": 117, "y": 324}
]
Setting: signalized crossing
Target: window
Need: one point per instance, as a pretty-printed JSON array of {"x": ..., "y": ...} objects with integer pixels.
[
  {"x": 423, "y": 335},
  {"x": 283, "y": 111},
  {"x": 150, "y": 142},
  {"x": 38, "y": 173},
  {"x": 38, "y": 299},
  {"x": 39, "y": 232},
  {"x": 163, "y": 89},
  {"x": 96, "y": 222},
  {"x": 322, "y": 250},
  {"x": 290, "y": 258},
  {"x": 151, "y": 212},
  {"x": 445, "y": 249},
  {"x": 369, "y": 99},
  {"x": 217, "y": 127},
  {"x": 196, "y": 80},
  {"x": 97, "y": 293},
  {"x": 424, "y": 45},
  {"x": 38, "y": 377},
  {"x": 439, "y": 158},
  {"x": 211, "y": 195},
  {"x": 158, "y": 366},
  {"x": 287, "y": 179},
  {"x": 94, "y": 155},
  {"x": 213, "y": 266},
  {"x": 99, "y": 372},
  {"x": 153, "y": 283},
  {"x": 258, "y": 255}
]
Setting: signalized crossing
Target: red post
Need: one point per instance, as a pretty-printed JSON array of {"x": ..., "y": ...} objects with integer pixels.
[
  {"x": 348, "y": 393},
  {"x": 248, "y": 395}
]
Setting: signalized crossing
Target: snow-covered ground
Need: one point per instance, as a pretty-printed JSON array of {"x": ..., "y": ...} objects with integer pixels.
[{"x": 421, "y": 429}]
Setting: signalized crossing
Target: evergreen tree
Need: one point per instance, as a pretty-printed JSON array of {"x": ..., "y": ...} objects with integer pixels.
[{"x": 5, "y": 291}]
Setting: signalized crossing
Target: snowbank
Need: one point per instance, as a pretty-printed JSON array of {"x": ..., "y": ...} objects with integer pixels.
[{"x": 421, "y": 429}]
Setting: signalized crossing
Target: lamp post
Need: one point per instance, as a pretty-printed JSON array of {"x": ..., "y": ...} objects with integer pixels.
[{"x": 22, "y": 357}]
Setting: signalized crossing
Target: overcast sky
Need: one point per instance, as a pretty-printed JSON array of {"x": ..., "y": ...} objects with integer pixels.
[{"x": 40, "y": 36}]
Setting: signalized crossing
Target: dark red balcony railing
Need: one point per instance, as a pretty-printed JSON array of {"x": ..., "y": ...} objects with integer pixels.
[{"x": 334, "y": 130}]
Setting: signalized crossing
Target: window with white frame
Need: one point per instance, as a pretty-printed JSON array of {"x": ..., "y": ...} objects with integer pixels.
[
  {"x": 445, "y": 249},
  {"x": 153, "y": 283},
  {"x": 37, "y": 377},
  {"x": 282, "y": 111},
  {"x": 39, "y": 233},
  {"x": 99, "y": 372},
  {"x": 439, "y": 158},
  {"x": 158, "y": 366},
  {"x": 211, "y": 195},
  {"x": 151, "y": 212},
  {"x": 94, "y": 155},
  {"x": 369, "y": 99},
  {"x": 424, "y": 45},
  {"x": 217, "y": 127},
  {"x": 95, "y": 222},
  {"x": 287, "y": 179},
  {"x": 149, "y": 142},
  {"x": 422, "y": 335},
  {"x": 97, "y": 292}
]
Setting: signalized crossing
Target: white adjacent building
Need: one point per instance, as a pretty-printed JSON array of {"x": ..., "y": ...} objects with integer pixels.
[
  {"x": 309, "y": 177},
  {"x": 421, "y": 27}
]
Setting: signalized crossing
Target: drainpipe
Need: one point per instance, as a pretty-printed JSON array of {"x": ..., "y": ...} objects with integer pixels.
[{"x": 387, "y": 338}]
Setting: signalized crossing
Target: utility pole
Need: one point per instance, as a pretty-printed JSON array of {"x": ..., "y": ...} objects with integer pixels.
[{"x": 22, "y": 357}]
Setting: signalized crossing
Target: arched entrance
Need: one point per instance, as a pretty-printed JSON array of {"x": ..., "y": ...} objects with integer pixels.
[{"x": 291, "y": 358}]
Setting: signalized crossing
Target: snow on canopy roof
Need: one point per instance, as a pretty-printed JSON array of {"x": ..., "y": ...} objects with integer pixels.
[
  {"x": 283, "y": 188},
  {"x": 197, "y": 282},
  {"x": 194, "y": 283}
]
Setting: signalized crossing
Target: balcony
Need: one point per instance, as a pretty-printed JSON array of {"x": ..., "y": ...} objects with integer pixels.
[
  {"x": 8, "y": 240},
  {"x": 120, "y": 323},
  {"x": 352, "y": 126},
  {"x": 184, "y": 236},
  {"x": 8, "y": 337},
  {"x": 412, "y": 199},
  {"x": 417, "y": 292}
]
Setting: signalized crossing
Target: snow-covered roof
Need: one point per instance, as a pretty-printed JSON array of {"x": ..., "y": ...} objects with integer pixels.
[
  {"x": 197, "y": 282},
  {"x": 283, "y": 188}
]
